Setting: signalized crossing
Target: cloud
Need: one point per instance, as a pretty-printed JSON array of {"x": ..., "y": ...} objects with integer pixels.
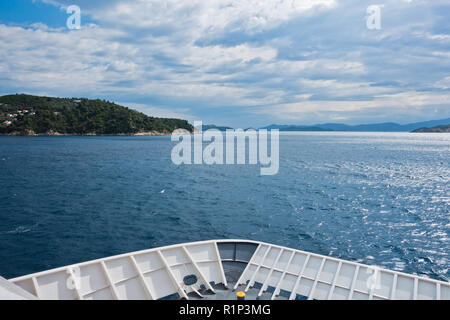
[
  {"x": 376, "y": 108},
  {"x": 443, "y": 84},
  {"x": 241, "y": 62},
  {"x": 205, "y": 16},
  {"x": 158, "y": 111}
]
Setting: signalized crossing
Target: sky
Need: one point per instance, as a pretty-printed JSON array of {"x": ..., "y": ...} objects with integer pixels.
[{"x": 238, "y": 63}]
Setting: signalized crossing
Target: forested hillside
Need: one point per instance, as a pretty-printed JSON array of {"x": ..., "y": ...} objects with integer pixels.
[{"x": 25, "y": 114}]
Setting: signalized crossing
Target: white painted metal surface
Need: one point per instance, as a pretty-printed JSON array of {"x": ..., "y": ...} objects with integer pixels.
[
  {"x": 158, "y": 273},
  {"x": 313, "y": 276},
  {"x": 150, "y": 274},
  {"x": 9, "y": 291}
]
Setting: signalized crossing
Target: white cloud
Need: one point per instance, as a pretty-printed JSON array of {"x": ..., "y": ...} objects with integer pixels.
[
  {"x": 443, "y": 83},
  {"x": 199, "y": 16},
  {"x": 431, "y": 36},
  {"x": 444, "y": 54},
  {"x": 159, "y": 111},
  {"x": 401, "y": 102},
  {"x": 288, "y": 57}
]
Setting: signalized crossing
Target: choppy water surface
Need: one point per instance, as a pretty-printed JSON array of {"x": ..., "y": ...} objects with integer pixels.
[{"x": 380, "y": 199}]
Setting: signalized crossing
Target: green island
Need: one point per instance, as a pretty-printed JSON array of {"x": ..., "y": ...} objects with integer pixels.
[
  {"x": 437, "y": 129},
  {"x": 22, "y": 114}
]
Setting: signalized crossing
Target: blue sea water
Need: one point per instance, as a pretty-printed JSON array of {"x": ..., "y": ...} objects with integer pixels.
[{"x": 377, "y": 198}]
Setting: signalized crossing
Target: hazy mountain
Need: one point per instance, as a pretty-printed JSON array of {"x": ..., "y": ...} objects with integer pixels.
[
  {"x": 296, "y": 128},
  {"x": 375, "y": 127},
  {"x": 213, "y": 126}
]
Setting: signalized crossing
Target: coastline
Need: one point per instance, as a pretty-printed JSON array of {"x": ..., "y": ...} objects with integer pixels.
[
  {"x": 155, "y": 133},
  {"x": 30, "y": 133}
]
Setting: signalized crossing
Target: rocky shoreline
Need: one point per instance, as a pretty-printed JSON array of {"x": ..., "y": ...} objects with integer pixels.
[{"x": 51, "y": 133}]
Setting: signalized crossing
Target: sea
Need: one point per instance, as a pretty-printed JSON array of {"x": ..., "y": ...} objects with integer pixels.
[{"x": 376, "y": 198}]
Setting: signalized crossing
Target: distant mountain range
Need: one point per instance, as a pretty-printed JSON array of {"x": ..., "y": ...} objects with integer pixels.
[
  {"x": 221, "y": 128},
  {"x": 433, "y": 125},
  {"x": 375, "y": 127}
]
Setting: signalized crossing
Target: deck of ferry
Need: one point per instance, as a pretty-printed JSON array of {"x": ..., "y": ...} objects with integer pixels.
[{"x": 218, "y": 269}]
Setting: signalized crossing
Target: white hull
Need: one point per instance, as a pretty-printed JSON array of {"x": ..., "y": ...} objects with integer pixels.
[{"x": 222, "y": 267}]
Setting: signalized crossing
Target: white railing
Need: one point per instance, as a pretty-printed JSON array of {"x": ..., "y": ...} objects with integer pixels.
[{"x": 158, "y": 273}]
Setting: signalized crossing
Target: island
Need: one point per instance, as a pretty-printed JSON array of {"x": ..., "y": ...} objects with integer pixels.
[
  {"x": 439, "y": 129},
  {"x": 22, "y": 114},
  {"x": 213, "y": 126}
]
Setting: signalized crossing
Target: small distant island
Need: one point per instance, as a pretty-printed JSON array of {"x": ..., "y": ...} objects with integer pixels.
[
  {"x": 439, "y": 129},
  {"x": 22, "y": 114},
  {"x": 213, "y": 126}
]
